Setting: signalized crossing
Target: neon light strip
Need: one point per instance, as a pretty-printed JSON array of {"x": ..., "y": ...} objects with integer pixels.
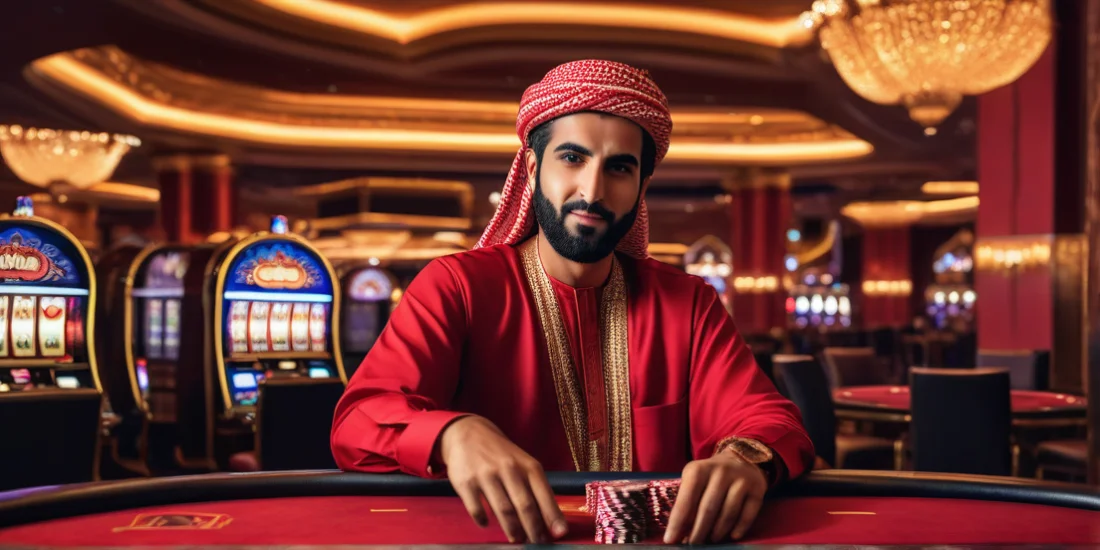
[
  {"x": 157, "y": 293},
  {"x": 43, "y": 290},
  {"x": 277, "y": 296}
]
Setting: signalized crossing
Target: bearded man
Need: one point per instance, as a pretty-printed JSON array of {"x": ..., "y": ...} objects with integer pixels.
[{"x": 559, "y": 345}]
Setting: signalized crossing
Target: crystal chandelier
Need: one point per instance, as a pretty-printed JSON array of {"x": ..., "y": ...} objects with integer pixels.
[
  {"x": 928, "y": 54},
  {"x": 52, "y": 158}
]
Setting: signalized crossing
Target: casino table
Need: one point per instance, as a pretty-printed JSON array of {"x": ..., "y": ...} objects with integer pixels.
[
  {"x": 320, "y": 509},
  {"x": 891, "y": 404}
]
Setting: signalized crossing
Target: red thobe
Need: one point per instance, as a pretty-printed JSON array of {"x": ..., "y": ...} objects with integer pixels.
[{"x": 467, "y": 339}]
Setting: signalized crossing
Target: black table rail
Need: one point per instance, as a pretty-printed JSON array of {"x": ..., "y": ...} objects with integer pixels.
[{"x": 92, "y": 498}]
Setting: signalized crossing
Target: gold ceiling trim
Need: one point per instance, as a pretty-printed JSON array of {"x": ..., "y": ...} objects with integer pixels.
[
  {"x": 161, "y": 97},
  {"x": 903, "y": 213},
  {"x": 405, "y": 29}
]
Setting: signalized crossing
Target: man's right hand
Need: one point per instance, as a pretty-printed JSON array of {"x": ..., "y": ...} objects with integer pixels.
[{"x": 480, "y": 460}]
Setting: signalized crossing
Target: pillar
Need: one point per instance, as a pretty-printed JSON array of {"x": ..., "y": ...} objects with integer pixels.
[
  {"x": 212, "y": 195},
  {"x": 760, "y": 214},
  {"x": 1030, "y": 251},
  {"x": 196, "y": 196},
  {"x": 1084, "y": 26},
  {"x": 886, "y": 277},
  {"x": 174, "y": 177}
]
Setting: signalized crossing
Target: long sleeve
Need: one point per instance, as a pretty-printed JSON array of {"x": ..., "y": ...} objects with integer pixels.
[
  {"x": 731, "y": 397},
  {"x": 394, "y": 408}
]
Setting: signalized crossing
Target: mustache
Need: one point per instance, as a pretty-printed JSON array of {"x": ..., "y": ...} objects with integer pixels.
[{"x": 593, "y": 208}]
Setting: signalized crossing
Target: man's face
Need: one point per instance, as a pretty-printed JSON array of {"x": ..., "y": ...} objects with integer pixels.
[{"x": 588, "y": 187}]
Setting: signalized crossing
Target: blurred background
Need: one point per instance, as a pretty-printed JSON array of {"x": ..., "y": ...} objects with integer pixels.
[{"x": 872, "y": 186}]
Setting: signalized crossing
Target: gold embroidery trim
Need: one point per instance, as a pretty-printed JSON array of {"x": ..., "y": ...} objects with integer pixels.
[{"x": 616, "y": 367}]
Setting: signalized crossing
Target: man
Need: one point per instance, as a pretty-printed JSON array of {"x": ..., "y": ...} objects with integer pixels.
[{"x": 558, "y": 345}]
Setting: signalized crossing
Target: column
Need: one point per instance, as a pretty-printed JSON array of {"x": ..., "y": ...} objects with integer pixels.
[
  {"x": 174, "y": 177},
  {"x": 212, "y": 196},
  {"x": 760, "y": 214},
  {"x": 1030, "y": 251},
  {"x": 886, "y": 277},
  {"x": 1084, "y": 25},
  {"x": 196, "y": 196}
]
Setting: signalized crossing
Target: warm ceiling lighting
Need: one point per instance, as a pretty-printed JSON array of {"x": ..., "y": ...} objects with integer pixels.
[
  {"x": 405, "y": 29},
  {"x": 83, "y": 79},
  {"x": 900, "y": 213},
  {"x": 928, "y": 54},
  {"x": 950, "y": 188},
  {"x": 45, "y": 157}
]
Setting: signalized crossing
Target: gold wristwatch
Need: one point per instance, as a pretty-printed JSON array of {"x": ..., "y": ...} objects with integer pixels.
[{"x": 753, "y": 452}]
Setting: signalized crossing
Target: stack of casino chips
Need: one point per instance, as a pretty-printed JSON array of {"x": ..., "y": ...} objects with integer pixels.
[
  {"x": 621, "y": 512},
  {"x": 629, "y": 511}
]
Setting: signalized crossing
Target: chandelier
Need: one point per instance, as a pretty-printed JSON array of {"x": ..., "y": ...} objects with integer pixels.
[
  {"x": 928, "y": 54},
  {"x": 52, "y": 158}
]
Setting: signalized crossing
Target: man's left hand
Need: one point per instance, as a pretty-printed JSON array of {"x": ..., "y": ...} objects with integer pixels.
[{"x": 719, "y": 498}]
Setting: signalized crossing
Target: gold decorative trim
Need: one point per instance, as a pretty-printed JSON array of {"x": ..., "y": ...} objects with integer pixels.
[{"x": 616, "y": 367}]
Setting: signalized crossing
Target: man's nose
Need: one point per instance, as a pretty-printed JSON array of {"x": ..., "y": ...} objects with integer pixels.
[{"x": 592, "y": 185}]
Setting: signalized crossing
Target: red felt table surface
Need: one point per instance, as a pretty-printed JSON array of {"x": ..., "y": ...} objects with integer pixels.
[
  {"x": 897, "y": 398},
  {"x": 443, "y": 520}
]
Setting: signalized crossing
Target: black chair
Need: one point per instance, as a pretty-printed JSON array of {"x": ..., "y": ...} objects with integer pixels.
[
  {"x": 1067, "y": 457},
  {"x": 1027, "y": 370},
  {"x": 854, "y": 367},
  {"x": 961, "y": 421},
  {"x": 802, "y": 380},
  {"x": 294, "y": 420},
  {"x": 49, "y": 437}
]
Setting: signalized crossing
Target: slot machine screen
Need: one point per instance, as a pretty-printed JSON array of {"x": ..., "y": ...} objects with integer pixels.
[
  {"x": 158, "y": 301},
  {"x": 370, "y": 292},
  {"x": 43, "y": 295},
  {"x": 277, "y": 303}
]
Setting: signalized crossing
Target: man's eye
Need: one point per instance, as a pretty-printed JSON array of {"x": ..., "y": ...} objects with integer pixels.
[
  {"x": 621, "y": 168},
  {"x": 571, "y": 157}
]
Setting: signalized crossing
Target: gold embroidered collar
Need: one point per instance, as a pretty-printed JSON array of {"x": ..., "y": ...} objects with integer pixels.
[{"x": 616, "y": 367}]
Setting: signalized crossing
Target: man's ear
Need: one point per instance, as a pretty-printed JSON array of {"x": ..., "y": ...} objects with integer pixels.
[
  {"x": 644, "y": 187},
  {"x": 532, "y": 162}
]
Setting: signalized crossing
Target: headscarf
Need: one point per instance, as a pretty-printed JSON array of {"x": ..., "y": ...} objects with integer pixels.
[{"x": 589, "y": 85}]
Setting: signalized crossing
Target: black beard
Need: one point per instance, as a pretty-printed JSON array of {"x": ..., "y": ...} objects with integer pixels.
[{"x": 588, "y": 247}]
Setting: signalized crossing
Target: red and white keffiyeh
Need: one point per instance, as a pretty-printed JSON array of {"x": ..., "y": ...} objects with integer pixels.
[{"x": 589, "y": 85}]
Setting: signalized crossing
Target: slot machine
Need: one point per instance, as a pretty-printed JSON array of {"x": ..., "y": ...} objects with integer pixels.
[
  {"x": 270, "y": 302},
  {"x": 370, "y": 294},
  {"x": 47, "y": 303},
  {"x": 143, "y": 287},
  {"x": 51, "y": 398},
  {"x": 817, "y": 299},
  {"x": 950, "y": 300}
]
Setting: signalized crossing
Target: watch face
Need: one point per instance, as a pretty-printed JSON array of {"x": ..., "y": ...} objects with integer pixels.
[{"x": 752, "y": 451}]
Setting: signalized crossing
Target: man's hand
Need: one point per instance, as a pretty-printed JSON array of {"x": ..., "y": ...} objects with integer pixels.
[
  {"x": 719, "y": 497},
  {"x": 481, "y": 461}
]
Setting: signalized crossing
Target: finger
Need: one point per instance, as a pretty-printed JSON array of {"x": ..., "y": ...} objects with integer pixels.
[
  {"x": 502, "y": 506},
  {"x": 731, "y": 511},
  {"x": 710, "y": 505},
  {"x": 683, "y": 511},
  {"x": 551, "y": 513},
  {"x": 470, "y": 494},
  {"x": 751, "y": 509},
  {"x": 527, "y": 508}
]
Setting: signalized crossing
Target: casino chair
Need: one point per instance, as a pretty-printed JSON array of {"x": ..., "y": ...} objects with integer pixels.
[
  {"x": 1027, "y": 369},
  {"x": 1067, "y": 457},
  {"x": 293, "y": 423},
  {"x": 962, "y": 421},
  {"x": 854, "y": 367},
  {"x": 49, "y": 437},
  {"x": 801, "y": 379}
]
